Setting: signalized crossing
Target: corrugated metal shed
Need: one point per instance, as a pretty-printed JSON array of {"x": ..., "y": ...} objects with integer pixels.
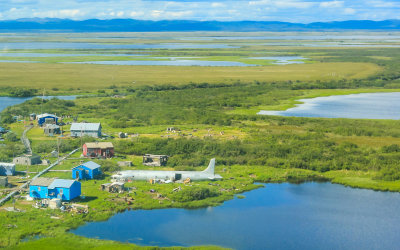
[
  {"x": 91, "y": 165},
  {"x": 42, "y": 181},
  {"x": 60, "y": 183},
  {"x": 85, "y": 126}
]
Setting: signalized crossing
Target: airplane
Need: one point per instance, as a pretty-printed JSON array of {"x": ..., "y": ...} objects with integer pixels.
[{"x": 140, "y": 175}]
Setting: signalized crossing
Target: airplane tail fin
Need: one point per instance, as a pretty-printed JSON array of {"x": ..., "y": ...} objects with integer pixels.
[{"x": 211, "y": 167}]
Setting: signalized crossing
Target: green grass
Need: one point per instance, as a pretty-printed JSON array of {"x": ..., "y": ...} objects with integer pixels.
[{"x": 88, "y": 78}]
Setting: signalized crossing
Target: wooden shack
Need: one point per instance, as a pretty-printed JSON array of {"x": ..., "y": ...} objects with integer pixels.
[
  {"x": 27, "y": 160},
  {"x": 155, "y": 160},
  {"x": 115, "y": 187}
]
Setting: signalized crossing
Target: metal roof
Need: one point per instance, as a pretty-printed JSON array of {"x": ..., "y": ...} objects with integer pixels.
[
  {"x": 52, "y": 126},
  {"x": 91, "y": 165},
  {"x": 41, "y": 181},
  {"x": 61, "y": 183},
  {"x": 102, "y": 145},
  {"x": 85, "y": 126},
  {"x": 4, "y": 164},
  {"x": 45, "y": 115}
]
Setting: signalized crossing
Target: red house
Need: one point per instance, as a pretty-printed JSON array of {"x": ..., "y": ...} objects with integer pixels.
[{"x": 98, "y": 149}]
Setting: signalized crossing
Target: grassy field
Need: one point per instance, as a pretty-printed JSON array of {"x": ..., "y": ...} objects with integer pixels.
[{"x": 93, "y": 77}]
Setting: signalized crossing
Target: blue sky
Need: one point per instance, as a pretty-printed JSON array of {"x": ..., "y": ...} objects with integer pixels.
[{"x": 303, "y": 11}]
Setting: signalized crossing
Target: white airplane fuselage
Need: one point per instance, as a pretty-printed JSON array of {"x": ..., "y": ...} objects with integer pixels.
[{"x": 207, "y": 174}]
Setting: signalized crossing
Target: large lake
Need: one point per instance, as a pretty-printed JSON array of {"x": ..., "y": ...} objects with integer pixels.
[
  {"x": 10, "y": 101},
  {"x": 279, "y": 216},
  {"x": 363, "y": 106}
]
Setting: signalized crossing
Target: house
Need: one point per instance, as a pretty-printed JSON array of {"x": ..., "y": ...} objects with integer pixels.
[
  {"x": 7, "y": 168},
  {"x": 27, "y": 160},
  {"x": 39, "y": 187},
  {"x": 52, "y": 129},
  {"x": 98, "y": 149},
  {"x": 65, "y": 190},
  {"x": 3, "y": 130},
  {"x": 86, "y": 129},
  {"x": 3, "y": 181},
  {"x": 46, "y": 119},
  {"x": 115, "y": 187},
  {"x": 32, "y": 117},
  {"x": 155, "y": 160},
  {"x": 50, "y": 188},
  {"x": 87, "y": 171}
]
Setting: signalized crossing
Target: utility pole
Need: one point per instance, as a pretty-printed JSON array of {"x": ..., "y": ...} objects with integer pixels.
[{"x": 58, "y": 149}]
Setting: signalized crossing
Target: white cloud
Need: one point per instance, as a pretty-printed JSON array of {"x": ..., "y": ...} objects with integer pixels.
[
  {"x": 332, "y": 4},
  {"x": 349, "y": 11},
  {"x": 227, "y": 10},
  {"x": 217, "y": 5}
]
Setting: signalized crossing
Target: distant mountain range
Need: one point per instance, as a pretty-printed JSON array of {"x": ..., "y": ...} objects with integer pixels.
[{"x": 120, "y": 25}]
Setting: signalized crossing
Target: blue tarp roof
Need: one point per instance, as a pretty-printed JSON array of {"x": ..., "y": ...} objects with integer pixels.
[
  {"x": 91, "y": 165},
  {"x": 60, "y": 183}
]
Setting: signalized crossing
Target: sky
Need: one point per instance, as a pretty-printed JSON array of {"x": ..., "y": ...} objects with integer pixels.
[{"x": 300, "y": 11}]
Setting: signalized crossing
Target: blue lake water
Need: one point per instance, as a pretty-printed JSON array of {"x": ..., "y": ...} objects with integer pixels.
[
  {"x": 362, "y": 106},
  {"x": 10, "y": 101},
  {"x": 58, "y": 55},
  {"x": 178, "y": 62},
  {"x": 281, "y": 60},
  {"x": 279, "y": 216},
  {"x": 77, "y": 45}
]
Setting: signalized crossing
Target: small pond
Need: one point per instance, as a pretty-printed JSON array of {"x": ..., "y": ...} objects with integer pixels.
[
  {"x": 10, "y": 101},
  {"x": 358, "y": 106},
  {"x": 282, "y": 60},
  {"x": 279, "y": 216}
]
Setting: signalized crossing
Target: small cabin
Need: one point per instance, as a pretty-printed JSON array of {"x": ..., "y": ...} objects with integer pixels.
[
  {"x": 27, "y": 160},
  {"x": 86, "y": 171},
  {"x": 49, "y": 188},
  {"x": 155, "y": 160},
  {"x": 86, "y": 129},
  {"x": 65, "y": 190},
  {"x": 52, "y": 129},
  {"x": 39, "y": 187},
  {"x": 7, "y": 168},
  {"x": 3, "y": 181},
  {"x": 115, "y": 187},
  {"x": 46, "y": 119},
  {"x": 98, "y": 149}
]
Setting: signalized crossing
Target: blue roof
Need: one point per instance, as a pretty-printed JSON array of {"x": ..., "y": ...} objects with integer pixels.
[
  {"x": 61, "y": 183},
  {"x": 91, "y": 165}
]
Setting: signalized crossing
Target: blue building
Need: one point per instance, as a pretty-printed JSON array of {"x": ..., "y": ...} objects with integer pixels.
[
  {"x": 88, "y": 170},
  {"x": 42, "y": 188},
  {"x": 47, "y": 119},
  {"x": 7, "y": 168}
]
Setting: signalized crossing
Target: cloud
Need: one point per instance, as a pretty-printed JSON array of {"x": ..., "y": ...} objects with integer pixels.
[
  {"x": 349, "y": 11},
  {"x": 332, "y": 4},
  {"x": 225, "y": 10}
]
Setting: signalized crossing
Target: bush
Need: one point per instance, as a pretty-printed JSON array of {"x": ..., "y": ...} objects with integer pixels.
[{"x": 194, "y": 194}]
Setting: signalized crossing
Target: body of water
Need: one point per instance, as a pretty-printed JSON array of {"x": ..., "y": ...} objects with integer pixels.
[
  {"x": 10, "y": 101},
  {"x": 18, "y": 54},
  {"x": 178, "y": 62},
  {"x": 359, "y": 106},
  {"x": 71, "y": 45},
  {"x": 282, "y": 60},
  {"x": 279, "y": 216}
]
